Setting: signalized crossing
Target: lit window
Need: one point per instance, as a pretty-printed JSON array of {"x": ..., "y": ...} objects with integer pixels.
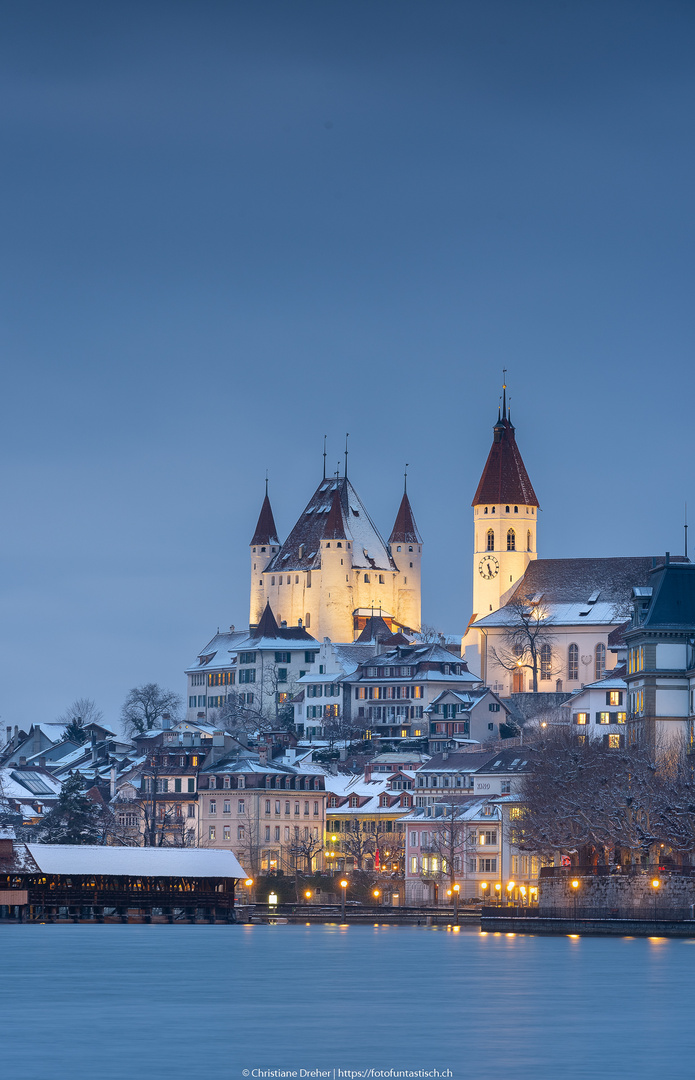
[
  {"x": 620, "y": 717},
  {"x": 573, "y": 662},
  {"x": 615, "y": 697},
  {"x": 582, "y": 718},
  {"x": 211, "y": 832},
  {"x": 603, "y": 718},
  {"x": 546, "y": 661},
  {"x": 490, "y": 540},
  {"x": 600, "y": 661},
  {"x": 614, "y": 742}
]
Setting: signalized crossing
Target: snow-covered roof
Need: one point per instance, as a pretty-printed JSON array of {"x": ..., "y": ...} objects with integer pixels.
[
  {"x": 602, "y": 613},
  {"x": 134, "y": 861}
]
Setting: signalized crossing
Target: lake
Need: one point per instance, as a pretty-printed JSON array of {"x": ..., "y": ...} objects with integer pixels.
[{"x": 111, "y": 1001}]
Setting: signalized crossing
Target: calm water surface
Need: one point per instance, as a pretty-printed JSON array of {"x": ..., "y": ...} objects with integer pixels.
[{"x": 113, "y": 1002}]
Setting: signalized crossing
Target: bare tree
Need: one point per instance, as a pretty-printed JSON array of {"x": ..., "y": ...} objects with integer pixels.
[
  {"x": 357, "y": 841},
  {"x": 522, "y": 640},
  {"x": 340, "y": 729},
  {"x": 449, "y": 839},
  {"x": 83, "y": 711},
  {"x": 145, "y": 706},
  {"x": 390, "y": 845},
  {"x": 302, "y": 851}
]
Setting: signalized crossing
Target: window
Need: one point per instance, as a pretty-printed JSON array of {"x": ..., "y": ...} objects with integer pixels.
[
  {"x": 277, "y": 832},
  {"x": 211, "y": 832},
  {"x": 582, "y": 718},
  {"x": 366, "y": 579},
  {"x": 307, "y": 617},
  {"x": 212, "y": 782},
  {"x": 221, "y": 678},
  {"x": 493, "y": 707},
  {"x": 603, "y": 718},
  {"x": 177, "y": 785},
  {"x": 490, "y": 540},
  {"x": 282, "y": 675},
  {"x": 191, "y": 810},
  {"x": 198, "y": 680},
  {"x": 620, "y": 717},
  {"x": 227, "y": 807},
  {"x": 267, "y": 806},
  {"x": 614, "y": 697},
  {"x": 227, "y": 832},
  {"x": 573, "y": 662},
  {"x": 309, "y": 657},
  {"x": 241, "y": 807},
  {"x": 277, "y": 806},
  {"x": 240, "y": 832},
  {"x": 267, "y": 832},
  {"x": 487, "y": 838},
  {"x": 600, "y": 661},
  {"x": 201, "y": 701},
  {"x": 247, "y": 675},
  {"x": 213, "y": 806},
  {"x": 316, "y": 809},
  {"x": 511, "y": 540},
  {"x": 226, "y": 782},
  {"x": 546, "y": 662},
  {"x": 487, "y": 866},
  {"x": 614, "y": 742},
  {"x": 283, "y": 657},
  {"x": 247, "y": 658},
  {"x": 191, "y": 702}
]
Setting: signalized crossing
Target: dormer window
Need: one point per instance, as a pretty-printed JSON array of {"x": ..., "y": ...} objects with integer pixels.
[
  {"x": 354, "y": 800},
  {"x": 300, "y": 553}
]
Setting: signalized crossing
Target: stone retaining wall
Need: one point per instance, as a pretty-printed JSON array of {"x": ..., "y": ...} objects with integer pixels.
[{"x": 616, "y": 891}]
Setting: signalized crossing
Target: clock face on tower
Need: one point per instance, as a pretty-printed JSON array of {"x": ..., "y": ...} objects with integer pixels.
[{"x": 488, "y": 567}]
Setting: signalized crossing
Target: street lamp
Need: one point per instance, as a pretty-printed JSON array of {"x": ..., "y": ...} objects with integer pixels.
[
  {"x": 575, "y": 885},
  {"x": 510, "y": 889},
  {"x": 498, "y": 890},
  {"x": 656, "y": 885},
  {"x": 343, "y": 886},
  {"x": 376, "y": 894},
  {"x": 273, "y": 900},
  {"x": 308, "y": 894},
  {"x": 484, "y": 886},
  {"x": 457, "y": 889}
]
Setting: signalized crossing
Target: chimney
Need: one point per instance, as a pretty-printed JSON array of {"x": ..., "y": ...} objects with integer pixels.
[
  {"x": 263, "y": 754},
  {"x": 334, "y": 768},
  {"x": 22, "y": 761},
  {"x": 667, "y": 560},
  {"x": 166, "y": 721},
  {"x": 42, "y": 762},
  {"x": 9, "y": 732},
  {"x": 16, "y": 729},
  {"x": 231, "y": 629},
  {"x": 368, "y": 772},
  {"x": 343, "y": 754},
  {"x": 7, "y": 836},
  {"x": 112, "y": 782},
  {"x": 94, "y": 748}
]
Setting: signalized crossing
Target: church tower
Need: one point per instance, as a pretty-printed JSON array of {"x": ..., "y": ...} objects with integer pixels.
[
  {"x": 264, "y": 546},
  {"x": 505, "y": 514}
]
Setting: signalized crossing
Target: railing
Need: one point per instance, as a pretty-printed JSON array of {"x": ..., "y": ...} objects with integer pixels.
[
  {"x": 643, "y": 913},
  {"x": 622, "y": 871}
]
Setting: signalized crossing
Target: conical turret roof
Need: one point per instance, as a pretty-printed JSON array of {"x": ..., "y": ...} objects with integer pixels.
[
  {"x": 334, "y": 528},
  {"x": 267, "y": 627},
  {"x": 504, "y": 478},
  {"x": 265, "y": 533},
  {"x": 405, "y": 530}
]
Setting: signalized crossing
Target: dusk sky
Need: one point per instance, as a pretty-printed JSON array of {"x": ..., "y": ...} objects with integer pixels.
[{"x": 230, "y": 228}]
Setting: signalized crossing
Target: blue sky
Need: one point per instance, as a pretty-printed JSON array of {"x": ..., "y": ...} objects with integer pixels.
[{"x": 229, "y": 228}]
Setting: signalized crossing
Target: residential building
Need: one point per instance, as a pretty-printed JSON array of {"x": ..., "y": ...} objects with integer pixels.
[
  {"x": 456, "y": 719},
  {"x": 660, "y": 674},
  {"x": 599, "y": 710}
]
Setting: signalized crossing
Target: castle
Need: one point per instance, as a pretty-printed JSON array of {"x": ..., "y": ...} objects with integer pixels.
[{"x": 334, "y": 570}]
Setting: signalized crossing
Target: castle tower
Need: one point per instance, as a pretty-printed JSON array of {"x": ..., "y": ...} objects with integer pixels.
[
  {"x": 405, "y": 545},
  {"x": 264, "y": 546},
  {"x": 505, "y": 513}
]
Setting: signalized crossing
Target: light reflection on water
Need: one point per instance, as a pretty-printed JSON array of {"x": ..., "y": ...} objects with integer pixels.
[{"x": 186, "y": 1001}]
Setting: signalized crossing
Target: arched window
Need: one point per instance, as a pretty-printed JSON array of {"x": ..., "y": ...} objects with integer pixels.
[
  {"x": 307, "y": 620},
  {"x": 486, "y": 509},
  {"x": 546, "y": 662},
  {"x": 511, "y": 540},
  {"x": 490, "y": 540},
  {"x": 573, "y": 662},
  {"x": 600, "y": 661},
  {"x": 506, "y": 510},
  {"x": 516, "y": 509},
  {"x": 528, "y": 540}
]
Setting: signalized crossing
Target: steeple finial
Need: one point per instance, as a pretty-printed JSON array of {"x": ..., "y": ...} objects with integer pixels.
[
  {"x": 347, "y": 436},
  {"x": 685, "y": 529},
  {"x": 405, "y": 479},
  {"x": 324, "y": 456},
  {"x": 266, "y": 482},
  {"x": 504, "y": 393}
]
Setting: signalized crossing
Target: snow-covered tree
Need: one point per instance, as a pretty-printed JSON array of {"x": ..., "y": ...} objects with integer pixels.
[{"x": 75, "y": 819}]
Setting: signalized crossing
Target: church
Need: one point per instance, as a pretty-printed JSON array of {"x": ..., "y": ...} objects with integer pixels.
[
  {"x": 582, "y": 604},
  {"x": 334, "y": 570}
]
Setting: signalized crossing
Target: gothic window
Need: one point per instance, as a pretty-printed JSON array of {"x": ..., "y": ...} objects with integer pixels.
[
  {"x": 600, "y": 661},
  {"x": 511, "y": 540},
  {"x": 573, "y": 662},
  {"x": 528, "y": 540},
  {"x": 490, "y": 540},
  {"x": 546, "y": 662}
]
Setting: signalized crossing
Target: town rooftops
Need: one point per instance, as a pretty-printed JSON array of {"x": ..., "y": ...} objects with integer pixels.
[{"x": 587, "y": 581}]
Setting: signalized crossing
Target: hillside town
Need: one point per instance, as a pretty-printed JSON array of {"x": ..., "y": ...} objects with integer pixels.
[{"x": 336, "y": 743}]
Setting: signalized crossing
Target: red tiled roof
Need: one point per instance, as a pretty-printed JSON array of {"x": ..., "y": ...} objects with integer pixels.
[
  {"x": 405, "y": 529},
  {"x": 334, "y": 528},
  {"x": 504, "y": 478},
  {"x": 265, "y": 533}
]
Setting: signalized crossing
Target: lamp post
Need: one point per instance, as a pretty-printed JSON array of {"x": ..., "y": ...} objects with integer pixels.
[
  {"x": 575, "y": 887},
  {"x": 484, "y": 886},
  {"x": 457, "y": 889},
  {"x": 510, "y": 890},
  {"x": 376, "y": 894},
  {"x": 343, "y": 886},
  {"x": 248, "y": 884},
  {"x": 656, "y": 885},
  {"x": 308, "y": 894},
  {"x": 498, "y": 890}
]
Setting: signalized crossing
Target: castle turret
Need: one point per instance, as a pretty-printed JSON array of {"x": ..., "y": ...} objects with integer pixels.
[
  {"x": 405, "y": 545},
  {"x": 505, "y": 511},
  {"x": 264, "y": 546}
]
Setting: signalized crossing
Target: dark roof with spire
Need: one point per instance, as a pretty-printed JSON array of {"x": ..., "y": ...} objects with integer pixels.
[
  {"x": 405, "y": 530},
  {"x": 334, "y": 528},
  {"x": 265, "y": 533},
  {"x": 334, "y": 505},
  {"x": 504, "y": 478},
  {"x": 269, "y": 629}
]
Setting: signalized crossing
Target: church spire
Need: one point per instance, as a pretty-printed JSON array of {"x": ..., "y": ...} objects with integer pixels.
[
  {"x": 265, "y": 533},
  {"x": 404, "y": 529},
  {"x": 504, "y": 478}
]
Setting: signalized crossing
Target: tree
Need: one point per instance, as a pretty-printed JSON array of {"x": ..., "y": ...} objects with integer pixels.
[
  {"x": 83, "y": 711},
  {"x": 75, "y": 819},
  {"x": 523, "y": 640},
  {"x": 340, "y": 729},
  {"x": 357, "y": 841},
  {"x": 449, "y": 838},
  {"x": 303, "y": 850},
  {"x": 145, "y": 706}
]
